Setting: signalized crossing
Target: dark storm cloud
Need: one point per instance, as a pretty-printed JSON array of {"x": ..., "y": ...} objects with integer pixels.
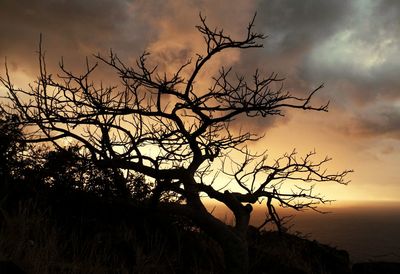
[
  {"x": 362, "y": 62},
  {"x": 364, "y": 51},
  {"x": 293, "y": 24},
  {"x": 294, "y": 28},
  {"x": 78, "y": 28},
  {"x": 352, "y": 46},
  {"x": 70, "y": 28}
]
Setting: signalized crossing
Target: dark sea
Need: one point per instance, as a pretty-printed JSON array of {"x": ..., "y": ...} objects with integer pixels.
[{"x": 369, "y": 232}]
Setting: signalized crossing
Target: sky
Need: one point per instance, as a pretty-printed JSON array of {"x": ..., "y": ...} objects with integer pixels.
[{"x": 352, "y": 47}]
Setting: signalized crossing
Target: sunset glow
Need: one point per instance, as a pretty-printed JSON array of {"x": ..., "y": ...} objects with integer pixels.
[{"x": 353, "y": 47}]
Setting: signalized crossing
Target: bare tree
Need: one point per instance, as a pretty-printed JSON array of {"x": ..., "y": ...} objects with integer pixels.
[{"x": 161, "y": 126}]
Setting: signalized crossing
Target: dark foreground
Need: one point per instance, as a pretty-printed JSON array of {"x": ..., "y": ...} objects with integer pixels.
[{"x": 80, "y": 233}]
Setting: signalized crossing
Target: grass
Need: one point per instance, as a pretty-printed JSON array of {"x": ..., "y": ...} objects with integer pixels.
[
  {"x": 81, "y": 233},
  {"x": 33, "y": 242},
  {"x": 37, "y": 242}
]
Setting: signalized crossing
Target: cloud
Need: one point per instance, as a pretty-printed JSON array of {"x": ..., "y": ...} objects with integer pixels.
[
  {"x": 291, "y": 24},
  {"x": 380, "y": 121},
  {"x": 73, "y": 29},
  {"x": 352, "y": 46},
  {"x": 177, "y": 39},
  {"x": 364, "y": 52}
]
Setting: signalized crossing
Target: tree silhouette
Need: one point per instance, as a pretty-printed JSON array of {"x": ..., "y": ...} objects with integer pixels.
[
  {"x": 165, "y": 128},
  {"x": 10, "y": 149}
]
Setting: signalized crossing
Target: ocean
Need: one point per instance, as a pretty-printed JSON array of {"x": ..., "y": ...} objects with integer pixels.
[{"x": 369, "y": 232}]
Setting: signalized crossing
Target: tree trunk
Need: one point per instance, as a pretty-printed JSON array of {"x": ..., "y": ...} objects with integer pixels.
[{"x": 232, "y": 241}]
